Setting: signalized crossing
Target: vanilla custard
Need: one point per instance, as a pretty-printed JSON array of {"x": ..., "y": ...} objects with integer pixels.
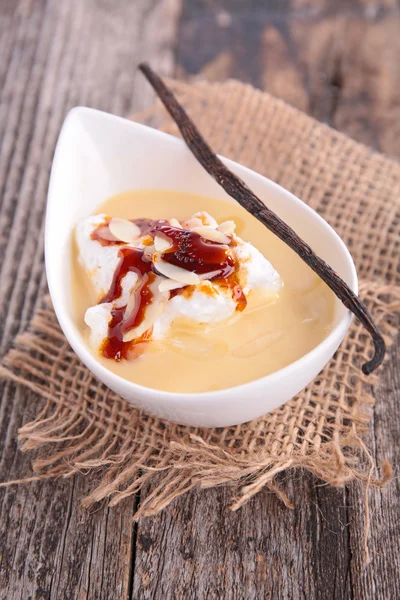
[{"x": 258, "y": 313}]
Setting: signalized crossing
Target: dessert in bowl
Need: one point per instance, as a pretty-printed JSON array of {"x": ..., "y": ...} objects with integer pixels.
[
  {"x": 219, "y": 322},
  {"x": 185, "y": 304}
]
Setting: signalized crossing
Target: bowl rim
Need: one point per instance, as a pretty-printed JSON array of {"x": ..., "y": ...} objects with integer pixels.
[{"x": 334, "y": 338}]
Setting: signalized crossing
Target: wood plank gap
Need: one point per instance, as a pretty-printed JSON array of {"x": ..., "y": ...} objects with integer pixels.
[{"x": 135, "y": 532}]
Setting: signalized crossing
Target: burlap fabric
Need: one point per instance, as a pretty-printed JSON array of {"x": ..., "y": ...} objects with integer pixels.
[{"x": 83, "y": 426}]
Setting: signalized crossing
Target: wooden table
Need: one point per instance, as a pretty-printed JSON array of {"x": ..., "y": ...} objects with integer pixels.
[{"x": 337, "y": 60}]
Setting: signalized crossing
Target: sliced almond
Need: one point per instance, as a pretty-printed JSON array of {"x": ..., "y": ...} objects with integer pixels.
[
  {"x": 153, "y": 311},
  {"x": 148, "y": 252},
  {"x": 175, "y": 273},
  {"x": 161, "y": 244},
  {"x": 103, "y": 232},
  {"x": 169, "y": 284},
  {"x": 227, "y": 227},
  {"x": 124, "y": 230},
  {"x": 209, "y": 275},
  {"x": 131, "y": 305},
  {"x": 205, "y": 218},
  {"x": 193, "y": 222},
  {"x": 209, "y": 233},
  {"x": 175, "y": 223}
]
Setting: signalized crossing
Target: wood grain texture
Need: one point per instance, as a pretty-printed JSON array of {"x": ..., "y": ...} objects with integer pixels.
[
  {"x": 55, "y": 55},
  {"x": 262, "y": 551},
  {"x": 337, "y": 60}
]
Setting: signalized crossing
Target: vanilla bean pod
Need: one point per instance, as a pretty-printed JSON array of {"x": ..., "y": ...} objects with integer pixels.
[{"x": 237, "y": 189}]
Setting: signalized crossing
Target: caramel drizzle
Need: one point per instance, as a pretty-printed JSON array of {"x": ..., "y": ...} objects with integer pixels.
[{"x": 187, "y": 250}]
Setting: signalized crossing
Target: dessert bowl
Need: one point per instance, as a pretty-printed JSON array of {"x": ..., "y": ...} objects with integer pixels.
[{"x": 99, "y": 155}]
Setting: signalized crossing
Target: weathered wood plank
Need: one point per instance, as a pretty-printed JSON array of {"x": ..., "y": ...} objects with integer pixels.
[
  {"x": 381, "y": 579},
  {"x": 50, "y": 547},
  {"x": 339, "y": 62},
  {"x": 198, "y": 549},
  {"x": 361, "y": 68},
  {"x": 55, "y": 55}
]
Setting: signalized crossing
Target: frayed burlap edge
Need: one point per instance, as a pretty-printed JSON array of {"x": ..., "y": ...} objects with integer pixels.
[
  {"x": 131, "y": 450},
  {"x": 72, "y": 439}
]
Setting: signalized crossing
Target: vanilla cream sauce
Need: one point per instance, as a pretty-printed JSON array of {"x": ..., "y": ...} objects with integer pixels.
[{"x": 273, "y": 331}]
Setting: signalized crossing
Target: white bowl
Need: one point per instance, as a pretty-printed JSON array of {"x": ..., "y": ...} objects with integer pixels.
[{"x": 99, "y": 155}]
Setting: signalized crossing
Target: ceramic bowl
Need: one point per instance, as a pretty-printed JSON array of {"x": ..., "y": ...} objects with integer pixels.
[{"x": 99, "y": 155}]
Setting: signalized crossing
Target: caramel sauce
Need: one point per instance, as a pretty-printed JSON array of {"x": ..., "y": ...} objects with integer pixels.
[
  {"x": 236, "y": 291},
  {"x": 143, "y": 297},
  {"x": 188, "y": 250},
  {"x": 131, "y": 259},
  {"x": 103, "y": 235},
  {"x": 113, "y": 346},
  {"x": 193, "y": 253}
]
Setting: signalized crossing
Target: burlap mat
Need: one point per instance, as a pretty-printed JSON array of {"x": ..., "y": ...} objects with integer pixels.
[{"x": 83, "y": 426}]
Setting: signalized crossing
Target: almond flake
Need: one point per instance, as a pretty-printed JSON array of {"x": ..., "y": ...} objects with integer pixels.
[
  {"x": 206, "y": 219},
  {"x": 148, "y": 252},
  {"x": 169, "y": 284},
  {"x": 209, "y": 233},
  {"x": 209, "y": 275},
  {"x": 124, "y": 230},
  {"x": 153, "y": 312},
  {"x": 193, "y": 222},
  {"x": 175, "y": 273},
  {"x": 161, "y": 244},
  {"x": 175, "y": 223},
  {"x": 131, "y": 305},
  {"x": 227, "y": 227},
  {"x": 104, "y": 233}
]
